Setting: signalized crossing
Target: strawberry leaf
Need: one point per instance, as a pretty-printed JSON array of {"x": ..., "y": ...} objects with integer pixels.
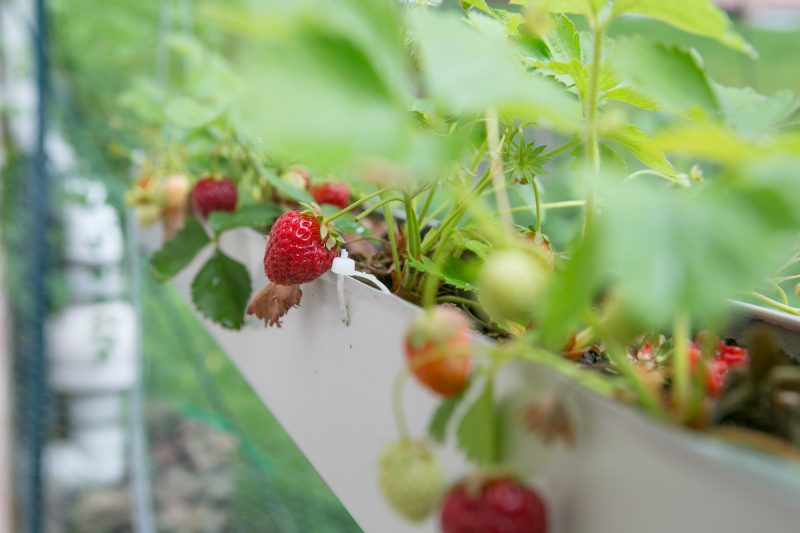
[
  {"x": 437, "y": 429},
  {"x": 179, "y": 251},
  {"x": 221, "y": 289},
  {"x": 477, "y": 434},
  {"x": 258, "y": 216}
]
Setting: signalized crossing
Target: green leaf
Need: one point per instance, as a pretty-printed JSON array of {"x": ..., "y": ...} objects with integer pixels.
[
  {"x": 570, "y": 291},
  {"x": 575, "y": 7},
  {"x": 687, "y": 250},
  {"x": 671, "y": 76},
  {"x": 564, "y": 42},
  {"x": 246, "y": 216},
  {"x": 752, "y": 114},
  {"x": 437, "y": 429},
  {"x": 701, "y": 17},
  {"x": 628, "y": 95},
  {"x": 452, "y": 272},
  {"x": 477, "y": 4},
  {"x": 221, "y": 289},
  {"x": 706, "y": 140},
  {"x": 346, "y": 223},
  {"x": 179, "y": 251},
  {"x": 477, "y": 433},
  {"x": 470, "y": 67},
  {"x": 187, "y": 113},
  {"x": 641, "y": 147}
]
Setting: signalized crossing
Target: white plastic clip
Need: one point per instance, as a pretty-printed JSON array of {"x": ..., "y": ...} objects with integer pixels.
[{"x": 343, "y": 266}]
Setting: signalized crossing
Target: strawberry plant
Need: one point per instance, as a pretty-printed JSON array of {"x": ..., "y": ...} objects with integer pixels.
[{"x": 591, "y": 202}]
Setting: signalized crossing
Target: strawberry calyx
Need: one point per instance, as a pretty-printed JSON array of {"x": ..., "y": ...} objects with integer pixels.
[{"x": 327, "y": 231}]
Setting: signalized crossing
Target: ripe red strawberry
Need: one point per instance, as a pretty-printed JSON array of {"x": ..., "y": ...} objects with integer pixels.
[
  {"x": 211, "y": 195},
  {"x": 437, "y": 348},
  {"x": 334, "y": 193},
  {"x": 731, "y": 354},
  {"x": 718, "y": 367},
  {"x": 297, "y": 250},
  {"x": 500, "y": 506}
]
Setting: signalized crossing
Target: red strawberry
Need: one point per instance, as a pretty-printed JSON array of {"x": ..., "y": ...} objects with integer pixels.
[
  {"x": 437, "y": 348},
  {"x": 297, "y": 252},
  {"x": 716, "y": 376},
  {"x": 501, "y": 506},
  {"x": 337, "y": 194},
  {"x": 733, "y": 355},
  {"x": 214, "y": 195}
]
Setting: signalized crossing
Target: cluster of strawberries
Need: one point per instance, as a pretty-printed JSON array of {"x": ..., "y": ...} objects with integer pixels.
[{"x": 726, "y": 357}]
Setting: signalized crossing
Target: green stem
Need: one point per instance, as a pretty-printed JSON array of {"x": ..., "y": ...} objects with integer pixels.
[
  {"x": 458, "y": 300},
  {"x": 535, "y": 186},
  {"x": 775, "y": 304},
  {"x": 397, "y": 405},
  {"x": 592, "y": 127},
  {"x": 552, "y": 205},
  {"x": 428, "y": 199},
  {"x": 573, "y": 143},
  {"x": 431, "y": 281},
  {"x": 456, "y": 213},
  {"x": 595, "y": 382},
  {"x": 390, "y": 228},
  {"x": 496, "y": 167},
  {"x": 352, "y": 206},
  {"x": 371, "y": 209},
  {"x": 412, "y": 229},
  {"x": 681, "y": 366}
]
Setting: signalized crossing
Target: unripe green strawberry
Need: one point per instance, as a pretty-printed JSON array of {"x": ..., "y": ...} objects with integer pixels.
[
  {"x": 511, "y": 284},
  {"x": 411, "y": 478}
]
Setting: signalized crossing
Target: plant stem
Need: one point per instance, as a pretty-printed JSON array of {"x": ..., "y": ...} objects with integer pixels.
[
  {"x": 496, "y": 167},
  {"x": 397, "y": 405},
  {"x": 390, "y": 228},
  {"x": 371, "y": 209},
  {"x": 412, "y": 229},
  {"x": 428, "y": 199},
  {"x": 776, "y": 304},
  {"x": 459, "y": 300},
  {"x": 431, "y": 282},
  {"x": 562, "y": 148},
  {"x": 354, "y": 205},
  {"x": 681, "y": 366},
  {"x": 552, "y": 205},
  {"x": 592, "y": 128},
  {"x": 535, "y": 187}
]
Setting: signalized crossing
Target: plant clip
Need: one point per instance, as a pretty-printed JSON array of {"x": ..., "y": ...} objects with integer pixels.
[{"x": 344, "y": 267}]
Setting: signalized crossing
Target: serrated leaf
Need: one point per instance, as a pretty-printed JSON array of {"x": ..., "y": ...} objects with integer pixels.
[
  {"x": 752, "y": 114},
  {"x": 642, "y": 148},
  {"x": 470, "y": 67},
  {"x": 701, "y": 17},
  {"x": 437, "y": 428},
  {"x": 706, "y": 140},
  {"x": 564, "y": 42},
  {"x": 179, "y": 251},
  {"x": 246, "y": 216},
  {"x": 628, "y": 95},
  {"x": 671, "y": 76},
  {"x": 221, "y": 289},
  {"x": 479, "y": 248},
  {"x": 477, "y": 433},
  {"x": 189, "y": 113}
]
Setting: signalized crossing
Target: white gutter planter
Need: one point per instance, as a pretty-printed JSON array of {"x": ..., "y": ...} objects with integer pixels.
[{"x": 329, "y": 385}]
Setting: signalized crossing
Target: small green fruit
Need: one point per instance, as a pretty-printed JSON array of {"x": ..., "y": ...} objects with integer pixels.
[
  {"x": 511, "y": 284},
  {"x": 411, "y": 478}
]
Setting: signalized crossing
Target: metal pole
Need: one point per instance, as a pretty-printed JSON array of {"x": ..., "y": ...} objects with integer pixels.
[{"x": 36, "y": 361}]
